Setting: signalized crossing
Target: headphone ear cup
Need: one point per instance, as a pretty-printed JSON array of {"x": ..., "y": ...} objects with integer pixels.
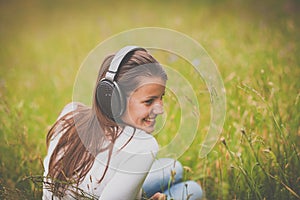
[{"x": 110, "y": 99}]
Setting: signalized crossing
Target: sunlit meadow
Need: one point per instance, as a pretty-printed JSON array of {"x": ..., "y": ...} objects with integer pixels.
[{"x": 255, "y": 44}]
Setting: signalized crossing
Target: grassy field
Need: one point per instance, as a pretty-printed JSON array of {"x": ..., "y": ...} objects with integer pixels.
[{"x": 255, "y": 44}]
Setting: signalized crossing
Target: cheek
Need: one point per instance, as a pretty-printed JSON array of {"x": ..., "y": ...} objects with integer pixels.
[
  {"x": 132, "y": 109},
  {"x": 137, "y": 111}
]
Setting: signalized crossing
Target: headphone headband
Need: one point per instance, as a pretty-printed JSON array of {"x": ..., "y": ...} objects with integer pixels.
[
  {"x": 109, "y": 96},
  {"x": 118, "y": 58}
]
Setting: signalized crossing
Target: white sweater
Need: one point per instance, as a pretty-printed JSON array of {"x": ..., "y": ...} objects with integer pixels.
[{"x": 127, "y": 170}]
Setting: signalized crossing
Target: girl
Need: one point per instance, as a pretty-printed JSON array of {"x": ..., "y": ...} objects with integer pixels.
[{"x": 106, "y": 151}]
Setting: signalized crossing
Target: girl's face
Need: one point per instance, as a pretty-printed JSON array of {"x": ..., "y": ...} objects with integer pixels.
[{"x": 144, "y": 104}]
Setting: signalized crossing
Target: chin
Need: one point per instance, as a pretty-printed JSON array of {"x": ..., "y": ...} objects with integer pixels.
[{"x": 148, "y": 129}]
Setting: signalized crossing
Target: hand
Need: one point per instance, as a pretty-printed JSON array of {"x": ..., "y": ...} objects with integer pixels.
[{"x": 158, "y": 196}]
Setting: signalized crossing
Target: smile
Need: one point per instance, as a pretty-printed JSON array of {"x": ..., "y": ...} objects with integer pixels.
[{"x": 149, "y": 120}]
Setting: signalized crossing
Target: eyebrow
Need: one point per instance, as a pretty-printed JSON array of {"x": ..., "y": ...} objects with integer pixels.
[{"x": 153, "y": 97}]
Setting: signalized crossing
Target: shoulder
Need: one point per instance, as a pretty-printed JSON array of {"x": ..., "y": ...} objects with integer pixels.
[
  {"x": 72, "y": 106},
  {"x": 136, "y": 149},
  {"x": 58, "y": 127},
  {"x": 138, "y": 141}
]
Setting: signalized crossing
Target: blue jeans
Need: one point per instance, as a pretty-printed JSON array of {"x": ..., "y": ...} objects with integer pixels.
[{"x": 162, "y": 178}]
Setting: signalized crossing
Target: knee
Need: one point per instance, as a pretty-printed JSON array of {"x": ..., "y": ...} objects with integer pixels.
[
  {"x": 194, "y": 189},
  {"x": 185, "y": 190},
  {"x": 178, "y": 169},
  {"x": 174, "y": 167}
]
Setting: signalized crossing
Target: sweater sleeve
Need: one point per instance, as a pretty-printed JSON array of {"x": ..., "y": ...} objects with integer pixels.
[{"x": 129, "y": 177}]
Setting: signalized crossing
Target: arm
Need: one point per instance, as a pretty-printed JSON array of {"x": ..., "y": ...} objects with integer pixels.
[
  {"x": 131, "y": 174},
  {"x": 126, "y": 184}
]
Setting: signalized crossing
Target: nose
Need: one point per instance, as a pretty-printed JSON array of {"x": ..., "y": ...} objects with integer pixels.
[{"x": 158, "y": 108}]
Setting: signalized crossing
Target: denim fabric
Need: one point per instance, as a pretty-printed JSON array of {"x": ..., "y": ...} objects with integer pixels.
[{"x": 165, "y": 176}]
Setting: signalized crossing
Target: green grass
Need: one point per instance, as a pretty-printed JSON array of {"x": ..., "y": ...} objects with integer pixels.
[{"x": 255, "y": 44}]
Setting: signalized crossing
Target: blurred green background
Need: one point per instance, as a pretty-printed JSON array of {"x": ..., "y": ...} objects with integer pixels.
[{"x": 255, "y": 44}]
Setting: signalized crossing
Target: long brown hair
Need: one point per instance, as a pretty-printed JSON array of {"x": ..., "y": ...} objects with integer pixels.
[{"x": 87, "y": 131}]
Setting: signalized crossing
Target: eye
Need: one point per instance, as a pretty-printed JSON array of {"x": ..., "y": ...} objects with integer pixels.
[
  {"x": 162, "y": 96},
  {"x": 149, "y": 102}
]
